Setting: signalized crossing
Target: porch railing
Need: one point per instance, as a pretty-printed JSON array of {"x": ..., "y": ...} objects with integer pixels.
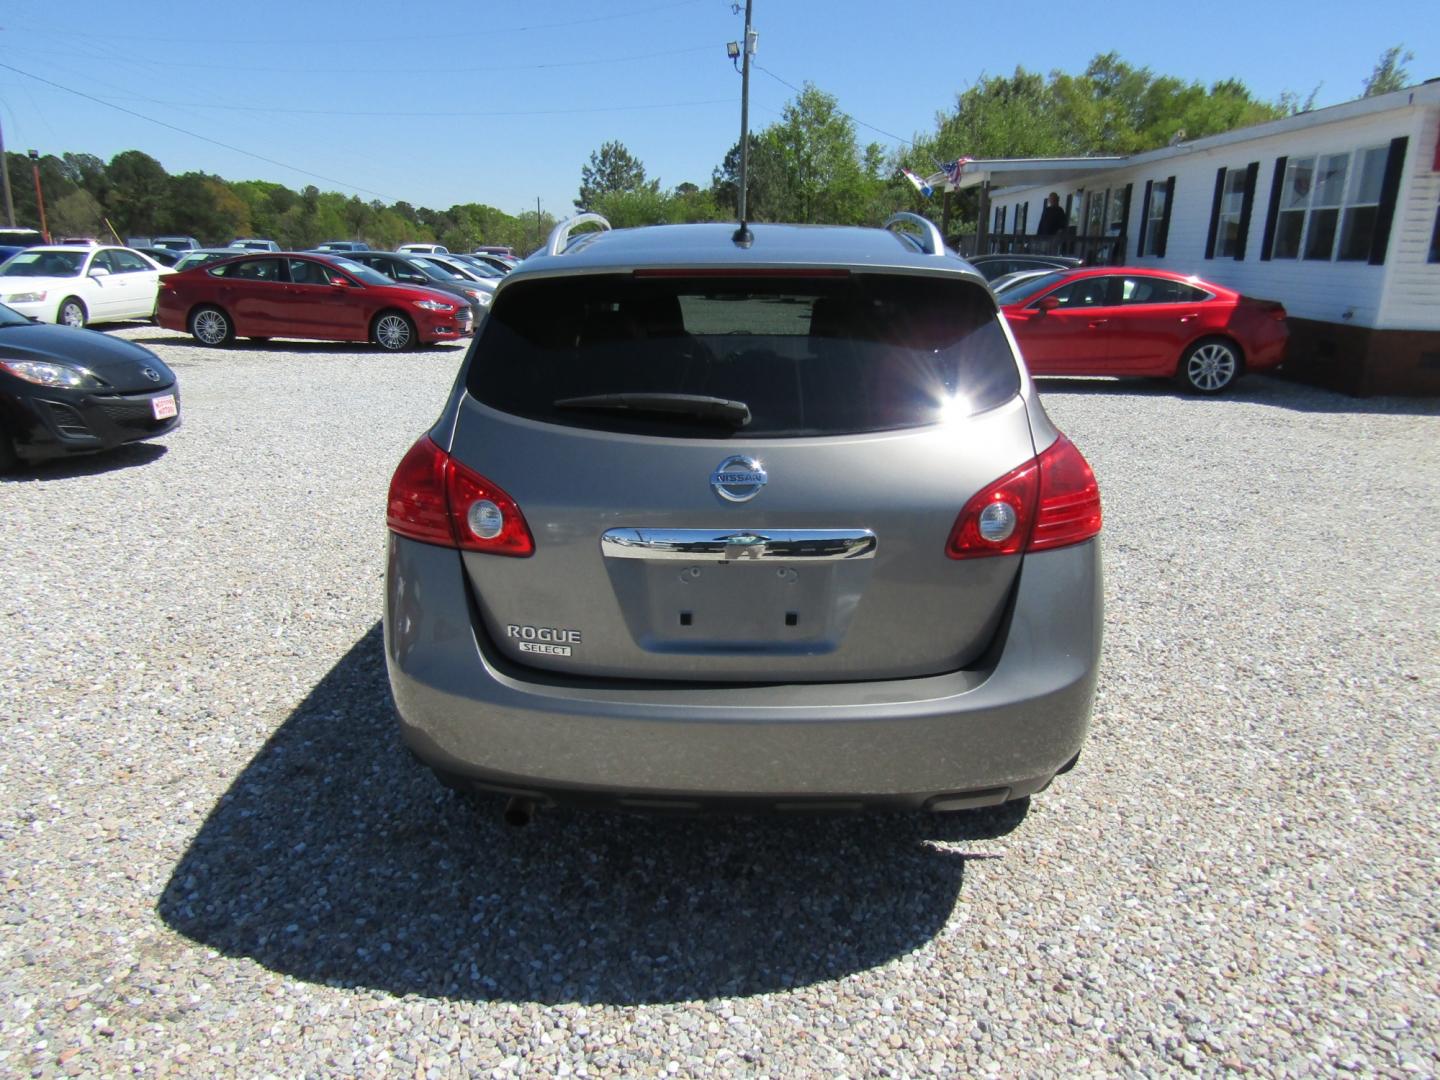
[{"x": 1090, "y": 250}]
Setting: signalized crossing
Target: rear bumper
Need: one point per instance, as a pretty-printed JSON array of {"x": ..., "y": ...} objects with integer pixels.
[{"x": 947, "y": 741}]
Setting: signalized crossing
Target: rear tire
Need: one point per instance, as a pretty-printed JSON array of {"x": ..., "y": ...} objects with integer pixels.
[
  {"x": 1210, "y": 366},
  {"x": 211, "y": 326},
  {"x": 72, "y": 313},
  {"x": 393, "y": 331}
]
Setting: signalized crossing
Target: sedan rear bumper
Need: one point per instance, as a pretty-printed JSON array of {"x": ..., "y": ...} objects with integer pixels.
[{"x": 946, "y": 741}]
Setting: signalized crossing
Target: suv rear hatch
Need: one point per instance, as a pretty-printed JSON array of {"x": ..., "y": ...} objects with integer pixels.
[{"x": 742, "y": 476}]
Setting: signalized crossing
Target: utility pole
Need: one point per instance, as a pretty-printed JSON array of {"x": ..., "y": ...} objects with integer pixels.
[
  {"x": 5, "y": 182},
  {"x": 742, "y": 234},
  {"x": 539, "y": 231},
  {"x": 39, "y": 195}
]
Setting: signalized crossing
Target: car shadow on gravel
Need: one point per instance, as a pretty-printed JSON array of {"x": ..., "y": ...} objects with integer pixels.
[
  {"x": 129, "y": 456},
  {"x": 1252, "y": 389},
  {"x": 336, "y": 859}
]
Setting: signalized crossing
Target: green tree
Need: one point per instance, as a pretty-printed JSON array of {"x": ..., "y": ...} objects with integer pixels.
[
  {"x": 1390, "y": 73},
  {"x": 138, "y": 189},
  {"x": 821, "y": 177},
  {"x": 77, "y": 214},
  {"x": 612, "y": 168}
]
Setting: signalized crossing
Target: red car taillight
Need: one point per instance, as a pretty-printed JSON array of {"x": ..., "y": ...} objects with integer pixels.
[
  {"x": 1049, "y": 502},
  {"x": 435, "y": 499}
]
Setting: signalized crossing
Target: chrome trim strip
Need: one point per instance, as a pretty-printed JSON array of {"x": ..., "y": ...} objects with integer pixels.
[{"x": 729, "y": 545}]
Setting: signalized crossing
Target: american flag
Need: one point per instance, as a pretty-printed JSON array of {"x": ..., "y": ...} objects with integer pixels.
[{"x": 952, "y": 169}]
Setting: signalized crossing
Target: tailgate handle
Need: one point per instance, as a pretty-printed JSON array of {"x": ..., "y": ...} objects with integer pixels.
[{"x": 728, "y": 545}]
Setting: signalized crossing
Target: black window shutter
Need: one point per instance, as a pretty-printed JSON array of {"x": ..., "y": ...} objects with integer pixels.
[
  {"x": 1125, "y": 210},
  {"x": 1144, "y": 219},
  {"x": 1252, "y": 172},
  {"x": 1215, "y": 213},
  {"x": 1164, "y": 236},
  {"x": 1272, "y": 215},
  {"x": 1389, "y": 191}
]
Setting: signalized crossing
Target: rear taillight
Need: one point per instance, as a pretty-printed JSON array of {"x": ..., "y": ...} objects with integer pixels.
[
  {"x": 1049, "y": 502},
  {"x": 435, "y": 499}
]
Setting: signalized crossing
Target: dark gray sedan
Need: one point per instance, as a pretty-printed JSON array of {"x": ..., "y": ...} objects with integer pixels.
[{"x": 423, "y": 270}]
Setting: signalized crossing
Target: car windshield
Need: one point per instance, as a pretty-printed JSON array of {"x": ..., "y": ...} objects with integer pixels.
[
  {"x": 804, "y": 356},
  {"x": 1024, "y": 290},
  {"x": 360, "y": 272},
  {"x": 11, "y": 317},
  {"x": 44, "y": 264},
  {"x": 440, "y": 270}
]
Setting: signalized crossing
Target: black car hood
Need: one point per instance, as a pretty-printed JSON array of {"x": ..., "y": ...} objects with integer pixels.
[{"x": 119, "y": 362}]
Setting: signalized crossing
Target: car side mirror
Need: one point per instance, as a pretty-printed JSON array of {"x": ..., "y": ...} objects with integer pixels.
[
  {"x": 99, "y": 272},
  {"x": 339, "y": 283},
  {"x": 1048, "y": 303}
]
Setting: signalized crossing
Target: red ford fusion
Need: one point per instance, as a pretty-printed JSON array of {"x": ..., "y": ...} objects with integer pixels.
[
  {"x": 306, "y": 296},
  {"x": 1124, "y": 321}
]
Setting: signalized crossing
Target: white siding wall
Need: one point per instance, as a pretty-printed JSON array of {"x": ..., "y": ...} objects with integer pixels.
[
  {"x": 1354, "y": 293},
  {"x": 1412, "y": 294}
]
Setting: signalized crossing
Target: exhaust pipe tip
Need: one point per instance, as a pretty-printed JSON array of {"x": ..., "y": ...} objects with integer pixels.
[{"x": 519, "y": 812}]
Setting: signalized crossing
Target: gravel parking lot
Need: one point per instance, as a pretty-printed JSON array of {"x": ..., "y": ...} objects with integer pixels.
[{"x": 217, "y": 859}]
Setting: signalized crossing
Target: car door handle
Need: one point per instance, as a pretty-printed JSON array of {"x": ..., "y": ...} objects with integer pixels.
[
  {"x": 1095, "y": 324},
  {"x": 1187, "y": 318}
]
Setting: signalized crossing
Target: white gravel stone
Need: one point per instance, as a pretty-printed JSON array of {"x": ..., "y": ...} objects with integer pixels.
[{"x": 216, "y": 858}]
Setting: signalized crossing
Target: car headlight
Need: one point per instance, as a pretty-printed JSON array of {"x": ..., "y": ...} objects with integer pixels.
[
  {"x": 25, "y": 298},
  {"x": 46, "y": 374},
  {"x": 483, "y": 298},
  {"x": 434, "y": 305}
]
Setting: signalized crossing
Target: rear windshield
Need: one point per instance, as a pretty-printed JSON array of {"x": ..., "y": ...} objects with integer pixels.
[{"x": 804, "y": 355}]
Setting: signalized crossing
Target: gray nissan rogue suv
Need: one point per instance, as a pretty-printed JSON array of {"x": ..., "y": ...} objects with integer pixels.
[{"x": 766, "y": 519}]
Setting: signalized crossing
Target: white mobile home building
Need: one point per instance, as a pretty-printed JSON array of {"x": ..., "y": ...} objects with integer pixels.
[{"x": 1335, "y": 213}]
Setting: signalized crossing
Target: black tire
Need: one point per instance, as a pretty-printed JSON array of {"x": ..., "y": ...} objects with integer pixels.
[
  {"x": 1210, "y": 366},
  {"x": 393, "y": 331},
  {"x": 71, "y": 312},
  {"x": 211, "y": 326}
]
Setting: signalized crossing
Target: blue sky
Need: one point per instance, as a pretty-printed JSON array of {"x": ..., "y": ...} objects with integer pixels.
[{"x": 444, "y": 101}]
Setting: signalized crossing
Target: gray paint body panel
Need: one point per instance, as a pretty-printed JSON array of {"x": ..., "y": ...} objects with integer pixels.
[{"x": 1011, "y": 725}]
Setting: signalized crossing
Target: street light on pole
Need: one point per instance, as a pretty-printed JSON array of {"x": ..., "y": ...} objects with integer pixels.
[{"x": 743, "y": 235}]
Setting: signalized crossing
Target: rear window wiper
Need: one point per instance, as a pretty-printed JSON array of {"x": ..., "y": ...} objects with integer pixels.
[{"x": 701, "y": 406}]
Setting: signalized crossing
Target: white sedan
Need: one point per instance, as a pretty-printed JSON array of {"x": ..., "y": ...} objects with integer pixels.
[{"x": 76, "y": 285}]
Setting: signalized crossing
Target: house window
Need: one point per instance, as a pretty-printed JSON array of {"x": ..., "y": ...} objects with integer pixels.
[
  {"x": 1022, "y": 218},
  {"x": 1154, "y": 221},
  {"x": 1232, "y": 204},
  {"x": 1073, "y": 204},
  {"x": 1435, "y": 239},
  {"x": 999, "y": 220},
  {"x": 1317, "y": 206},
  {"x": 1362, "y": 205},
  {"x": 1115, "y": 218},
  {"x": 1095, "y": 214},
  {"x": 1328, "y": 192}
]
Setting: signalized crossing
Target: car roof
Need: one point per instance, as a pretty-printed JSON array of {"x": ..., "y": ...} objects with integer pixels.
[{"x": 712, "y": 246}]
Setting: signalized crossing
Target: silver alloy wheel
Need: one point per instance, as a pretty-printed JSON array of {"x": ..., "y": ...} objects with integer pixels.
[
  {"x": 392, "y": 332},
  {"x": 72, "y": 313},
  {"x": 211, "y": 327},
  {"x": 1211, "y": 367}
]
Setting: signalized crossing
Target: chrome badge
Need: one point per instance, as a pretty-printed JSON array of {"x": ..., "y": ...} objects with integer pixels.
[
  {"x": 738, "y": 478},
  {"x": 150, "y": 373}
]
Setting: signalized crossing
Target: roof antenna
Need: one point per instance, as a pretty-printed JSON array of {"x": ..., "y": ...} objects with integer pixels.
[{"x": 743, "y": 236}]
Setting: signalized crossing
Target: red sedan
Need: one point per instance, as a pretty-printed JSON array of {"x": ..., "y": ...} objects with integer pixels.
[
  {"x": 1124, "y": 321},
  {"x": 306, "y": 296}
]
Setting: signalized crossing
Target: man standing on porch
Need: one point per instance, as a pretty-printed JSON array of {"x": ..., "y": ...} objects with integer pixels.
[{"x": 1052, "y": 218}]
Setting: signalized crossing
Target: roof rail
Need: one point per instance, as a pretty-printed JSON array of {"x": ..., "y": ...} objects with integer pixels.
[
  {"x": 560, "y": 235},
  {"x": 932, "y": 243}
]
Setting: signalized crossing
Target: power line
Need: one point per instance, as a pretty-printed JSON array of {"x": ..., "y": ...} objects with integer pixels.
[
  {"x": 489, "y": 31},
  {"x": 197, "y": 135},
  {"x": 850, "y": 116}
]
